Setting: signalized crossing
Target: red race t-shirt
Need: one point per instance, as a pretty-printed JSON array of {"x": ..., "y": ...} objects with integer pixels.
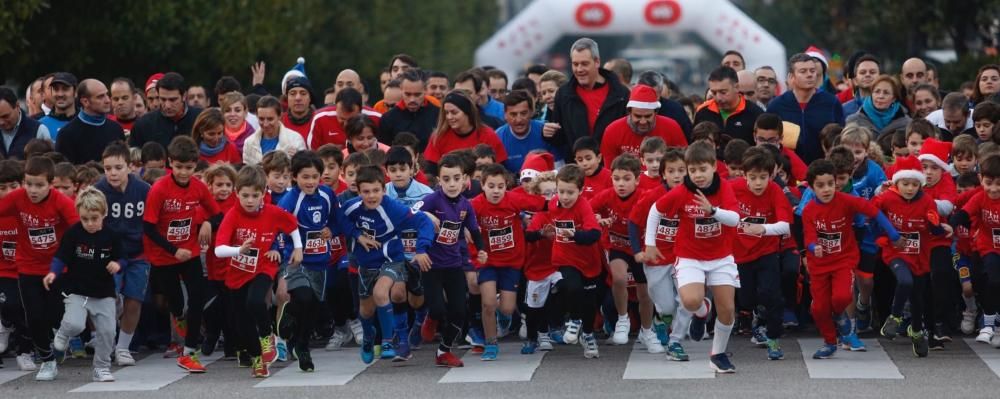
[
  {"x": 768, "y": 208},
  {"x": 502, "y": 228},
  {"x": 216, "y": 267},
  {"x": 450, "y": 141},
  {"x": 647, "y": 183},
  {"x": 174, "y": 209},
  {"x": 944, "y": 190},
  {"x": 830, "y": 225},
  {"x": 40, "y": 226},
  {"x": 910, "y": 218},
  {"x": 701, "y": 237},
  {"x": 965, "y": 242},
  {"x": 608, "y": 204},
  {"x": 8, "y": 240},
  {"x": 565, "y": 251},
  {"x": 619, "y": 138},
  {"x": 666, "y": 231},
  {"x": 593, "y": 184},
  {"x": 985, "y": 215},
  {"x": 263, "y": 228},
  {"x": 229, "y": 154}
]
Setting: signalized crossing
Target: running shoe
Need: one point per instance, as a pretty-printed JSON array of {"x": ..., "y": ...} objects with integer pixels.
[
  {"x": 774, "y": 351},
  {"x": 340, "y": 336},
  {"x": 258, "y": 368},
  {"x": 208, "y": 346},
  {"x": 180, "y": 326},
  {"x": 475, "y": 338},
  {"x": 721, "y": 364},
  {"x": 759, "y": 336},
  {"x": 995, "y": 340},
  {"x": 305, "y": 360},
  {"x": 941, "y": 332},
  {"x": 529, "y": 347},
  {"x": 76, "y": 348},
  {"x": 557, "y": 337},
  {"x": 490, "y": 352},
  {"x": 447, "y": 359},
  {"x": 697, "y": 328},
  {"x": 919, "y": 341},
  {"x": 789, "y": 319},
  {"x": 523, "y": 331},
  {"x": 968, "y": 325},
  {"x": 852, "y": 342},
  {"x": 282, "y": 348},
  {"x": 428, "y": 331},
  {"x": 660, "y": 328},
  {"x": 825, "y": 352},
  {"x": 124, "y": 358},
  {"x": 26, "y": 362},
  {"x": 402, "y": 352},
  {"x": 891, "y": 326},
  {"x": 367, "y": 352},
  {"x": 589, "y": 344},
  {"x": 676, "y": 352},
  {"x": 863, "y": 323},
  {"x": 572, "y": 334},
  {"x": 622, "y": 327},
  {"x": 190, "y": 363},
  {"x": 388, "y": 351},
  {"x": 174, "y": 350},
  {"x": 935, "y": 345},
  {"x": 243, "y": 360},
  {"x": 357, "y": 330},
  {"x": 103, "y": 375},
  {"x": 649, "y": 339},
  {"x": 744, "y": 323},
  {"x": 503, "y": 324},
  {"x": 268, "y": 349},
  {"x": 544, "y": 342},
  {"x": 48, "y": 371},
  {"x": 985, "y": 335}
]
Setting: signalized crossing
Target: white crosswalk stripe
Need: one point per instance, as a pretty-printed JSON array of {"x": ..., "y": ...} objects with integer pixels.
[
  {"x": 331, "y": 368},
  {"x": 511, "y": 365},
  {"x": 150, "y": 374},
  {"x": 989, "y": 354},
  {"x": 643, "y": 365},
  {"x": 873, "y": 364},
  {"x": 12, "y": 374}
]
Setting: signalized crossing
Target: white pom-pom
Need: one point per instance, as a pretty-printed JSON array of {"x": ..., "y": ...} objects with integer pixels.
[{"x": 300, "y": 60}]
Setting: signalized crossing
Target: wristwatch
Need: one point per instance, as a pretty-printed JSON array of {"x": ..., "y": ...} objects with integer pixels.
[{"x": 714, "y": 209}]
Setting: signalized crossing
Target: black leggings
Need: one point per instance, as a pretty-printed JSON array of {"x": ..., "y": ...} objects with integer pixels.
[
  {"x": 12, "y": 315},
  {"x": 219, "y": 316},
  {"x": 945, "y": 287},
  {"x": 760, "y": 282},
  {"x": 989, "y": 283},
  {"x": 253, "y": 320},
  {"x": 339, "y": 298},
  {"x": 580, "y": 294},
  {"x": 303, "y": 306},
  {"x": 909, "y": 287},
  {"x": 43, "y": 310},
  {"x": 790, "y": 262},
  {"x": 168, "y": 278},
  {"x": 445, "y": 292}
]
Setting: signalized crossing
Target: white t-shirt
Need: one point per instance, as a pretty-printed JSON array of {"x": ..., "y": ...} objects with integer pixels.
[{"x": 937, "y": 118}]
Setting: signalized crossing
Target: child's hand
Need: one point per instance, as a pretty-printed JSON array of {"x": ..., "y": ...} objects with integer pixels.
[
  {"x": 296, "y": 257},
  {"x": 182, "y": 254},
  {"x": 205, "y": 234},
  {"x": 754, "y": 229},
  {"x": 548, "y": 231},
  {"x": 703, "y": 202},
  {"x": 652, "y": 254},
  {"x": 245, "y": 248},
  {"x": 325, "y": 234},
  {"x": 818, "y": 251},
  {"x": 948, "y": 230},
  {"x": 435, "y": 221},
  {"x": 423, "y": 261},
  {"x": 640, "y": 257},
  {"x": 369, "y": 243},
  {"x": 900, "y": 243},
  {"x": 113, "y": 267},
  {"x": 273, "y": 256},
  {"x": 48, "y": 279},
  {"x": 482, "y": 257},
  {"x": 567, "y": 233},
  {"x": 604, "y": 222},
  {"x": 550, "y": 129}
]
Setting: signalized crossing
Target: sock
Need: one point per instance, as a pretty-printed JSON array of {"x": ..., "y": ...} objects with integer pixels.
[
  {"x": 124, "y": 341},
  {"x": 970, "y": 303},
  {"x": 721, "y": 339},
  {"x": 368, "y": 326},
  {"x": 990, "y": 320},
  {"x": 623, "y": 316},
  {"x": 385, "y": 321},
  {"x": 188, "y": 351},
  {"x": 401, "y": 317},
  {"x": 702, "y": 311},
  {"x": 419, "y": 314}
]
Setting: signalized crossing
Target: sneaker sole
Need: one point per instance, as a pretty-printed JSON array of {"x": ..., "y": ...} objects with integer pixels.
[
  {"x": 191, "y": 371},
  {"x": 678, "y": 359},
  {"x": 591, "y": 355},
  {"x": 721, "y": 371}
]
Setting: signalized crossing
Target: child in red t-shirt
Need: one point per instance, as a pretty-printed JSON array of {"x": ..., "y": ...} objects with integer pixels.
[
  {"x": 219, "y": 319},
  {"x": 587, "y": 153},
  {"x": 246, "y": 236},
  {"x": 651, "y": 152},
  {"x": 765, "y": 216},
  {"x": 571, "y": 223},
  {"x": 705, "y": 205},
  {"x": 544, "y": 316},
  {"x": 832, "y": 251},
  {"x": 967, "y": 186},
  {"x": 940, "y": 187}
]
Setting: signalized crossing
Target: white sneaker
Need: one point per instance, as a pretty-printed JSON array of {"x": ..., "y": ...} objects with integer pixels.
[
  {"x": 572, "y": 334},
  {"x": 544, "y": 342},
  {"x": 648, "y": 338},
  {"x": 622, "y": 328},
  {"x": 589, "y": 344},
  {"x": 60, "y": 342},
  {"x": 103, "y": 375},
  {"x": 26, "y": 362},
  {"x": 340, "y": 335},
  {"x": 995, "y": 341},
  {"x": 47, "y": 372},
  {"x": 985, "y": 335},
  {"x": 968, "y": 322},
  {"x": 357, "y": 331},
  {"x": 124, "y": 358},
  {"x": 4, "y": 338}
]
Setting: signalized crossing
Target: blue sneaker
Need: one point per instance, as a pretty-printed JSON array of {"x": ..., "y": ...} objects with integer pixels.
[
  {"x": 282, "y": 349},
  {"x": 367, "y": 352},
  {"x": 759, "y": 336},
  {"x": 402, "y": 352},
  {"x": 414, "y": 337},
  {"x": 676, "y": 352},
  {"x": 528, "y": 348},
  {"x": 490, "y": 352},
  {"x": 852, "y": 342},
  {"x": 475, "y": 337},
  {"x": 697, "y": 328},
  {"x": 76, "y": 348},
  {"x": 825, "y": 352},
  {"x": 789, "y": 319},
  {"x": 843, "y": 324},
  {"x": 721, "y": 364},
  {"x": 661, "y": 332},
  {"x": 774, "y": 351},
  {"x": 388, "y": 351},
  {"x": 556, "y": 336},
  {"x": 863, "y": 323}
]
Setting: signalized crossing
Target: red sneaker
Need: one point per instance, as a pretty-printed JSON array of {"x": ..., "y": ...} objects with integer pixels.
[
  {"x": 180, "y": 326},
  {"x": 429, "y": 329},
  {"x": 447, "y": 359},
  {"x": 174, "y": 350},
  {"x": 259, "y": 368},
  {"x": 268, "y": 349},
  {"x": 190, "y": 363}
]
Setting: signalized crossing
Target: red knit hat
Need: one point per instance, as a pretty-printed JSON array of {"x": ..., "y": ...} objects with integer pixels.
[
  {"x": 643, "y": 97},
  {"x": 151, "y": 82},
  {"x": 936, "y": 151},
  {"x": 536, "y": 163},
  {"x": 908, "y": 167}
]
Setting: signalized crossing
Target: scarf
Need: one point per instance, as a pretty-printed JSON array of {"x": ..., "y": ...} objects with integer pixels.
[
  {"x": 711, "y": 189},
  {"x": 93, "y": 120},
  {"x": 212, "y": 151},
  {"x": 880, "y": 119},
  {"x": 300, "y": 121},
  {"x": 233, "y": 134}
]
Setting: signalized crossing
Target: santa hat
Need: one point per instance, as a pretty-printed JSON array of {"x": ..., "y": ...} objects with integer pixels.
[
  {"x": 151, "y": 82},
  {"x": 536, "y": 163},
  {"x": 936, "y": 151},
  {"x": 908, "y": 167},
  {"x": 297, "y": 71},
  {"x": 643, "y": 97},
  {"x": 816, "y": 53}
]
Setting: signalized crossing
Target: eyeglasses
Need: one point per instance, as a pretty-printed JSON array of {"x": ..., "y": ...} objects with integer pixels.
[
  {"x": 772, "y": 140},
  {"x": 498, "y": 92}
]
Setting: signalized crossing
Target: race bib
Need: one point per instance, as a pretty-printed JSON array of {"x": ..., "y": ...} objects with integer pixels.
[
  {"x": 9, "y": 249},
  {"x": 911, "y": 243},
  {"x": 747, "y": 221},
  {"x": 315, "y": 244},
  {"x": 829, "y": 241},
  {"x": 996, "y": 238},
  {"x": 501, "y": 239},
  {"x": 42, "y": 238},
  {"x": 565, "y": 227},
  {"x": 335, "y": 244},
  {"x": 179, "y": 230},
  {"x": 449, "y": 233},
  {"x": 707, "y": 228},
  {"x": 246, "y": 262},
  {"x": 618, "y": 240},
  {"x": 667, "y": 230},
  {"x": 409, "y": 239}
]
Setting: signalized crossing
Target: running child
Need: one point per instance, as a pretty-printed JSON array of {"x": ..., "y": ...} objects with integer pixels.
[
  {"x": 940, "y": 187},
  {"x": 14, "y": 331},
  {"x": 219, "y": 315}
]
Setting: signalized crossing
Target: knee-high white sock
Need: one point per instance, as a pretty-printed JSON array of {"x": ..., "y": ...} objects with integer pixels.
[
  {"x": 124, "y": 340},
  {"x": 721, "y": 339}
]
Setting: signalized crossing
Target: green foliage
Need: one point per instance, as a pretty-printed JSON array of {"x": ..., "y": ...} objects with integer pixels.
[
  {"x": 206, "y": 40},
  {"x": 964, "y": 70}
]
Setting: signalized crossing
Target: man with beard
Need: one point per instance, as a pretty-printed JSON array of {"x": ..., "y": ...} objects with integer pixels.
[
  {"x": 63, "y": 93},
  {"x": 83, "y": 139},
  {"x": 173, "y": 118},
  {"x": 728, "y": 108},
  {"x": 123, "y": 103},
  {"x": 521, "y": 134},
  {"x": 767, "y": 84},
  {"x": 414, "y": 114},
  {"x": 625, "y": 135}
]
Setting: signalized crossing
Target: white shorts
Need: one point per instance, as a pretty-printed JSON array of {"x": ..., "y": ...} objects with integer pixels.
[
  {"x": 709, "y": 272},
  {"x": 537, "y": 291}
]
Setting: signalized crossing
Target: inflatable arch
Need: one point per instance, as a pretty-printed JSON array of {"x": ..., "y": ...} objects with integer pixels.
[{"x": 536, "y": 28}]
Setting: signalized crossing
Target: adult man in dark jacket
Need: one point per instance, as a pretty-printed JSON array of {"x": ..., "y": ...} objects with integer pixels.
[
  {"x": 414, "y": 114},
  {"x": 806, "y": 106},
  {"x": 16, "y": 127},
  {"x": 668, "y": 108},
  {"x": 174, "y": 118},
  {"x": 588, "y": 102},
  {"x": 728, "y": 108},
  {"x": 83, "y": 139}
]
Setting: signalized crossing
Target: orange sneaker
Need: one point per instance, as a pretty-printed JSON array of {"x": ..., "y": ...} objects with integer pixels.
[
  {"x": 268, "y": 349},
  {"x": 447, "y": 359},
  {"x": 190, "y": 363},
  {"x": 174, "y": 350},
  {"x": 259, "y": 368},
  {"x": 428, "y": 330}
]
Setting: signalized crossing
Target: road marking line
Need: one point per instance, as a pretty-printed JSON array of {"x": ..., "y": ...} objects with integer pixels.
[
  {"x": 511, "y": 365},
  {"x": 148, "y": 374},
  {"x": 331, "y": 368},
  {"x": 643, "y": 365},
  {"x": 873, "y": 364},
  {"x": 987, "y": 353}
]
